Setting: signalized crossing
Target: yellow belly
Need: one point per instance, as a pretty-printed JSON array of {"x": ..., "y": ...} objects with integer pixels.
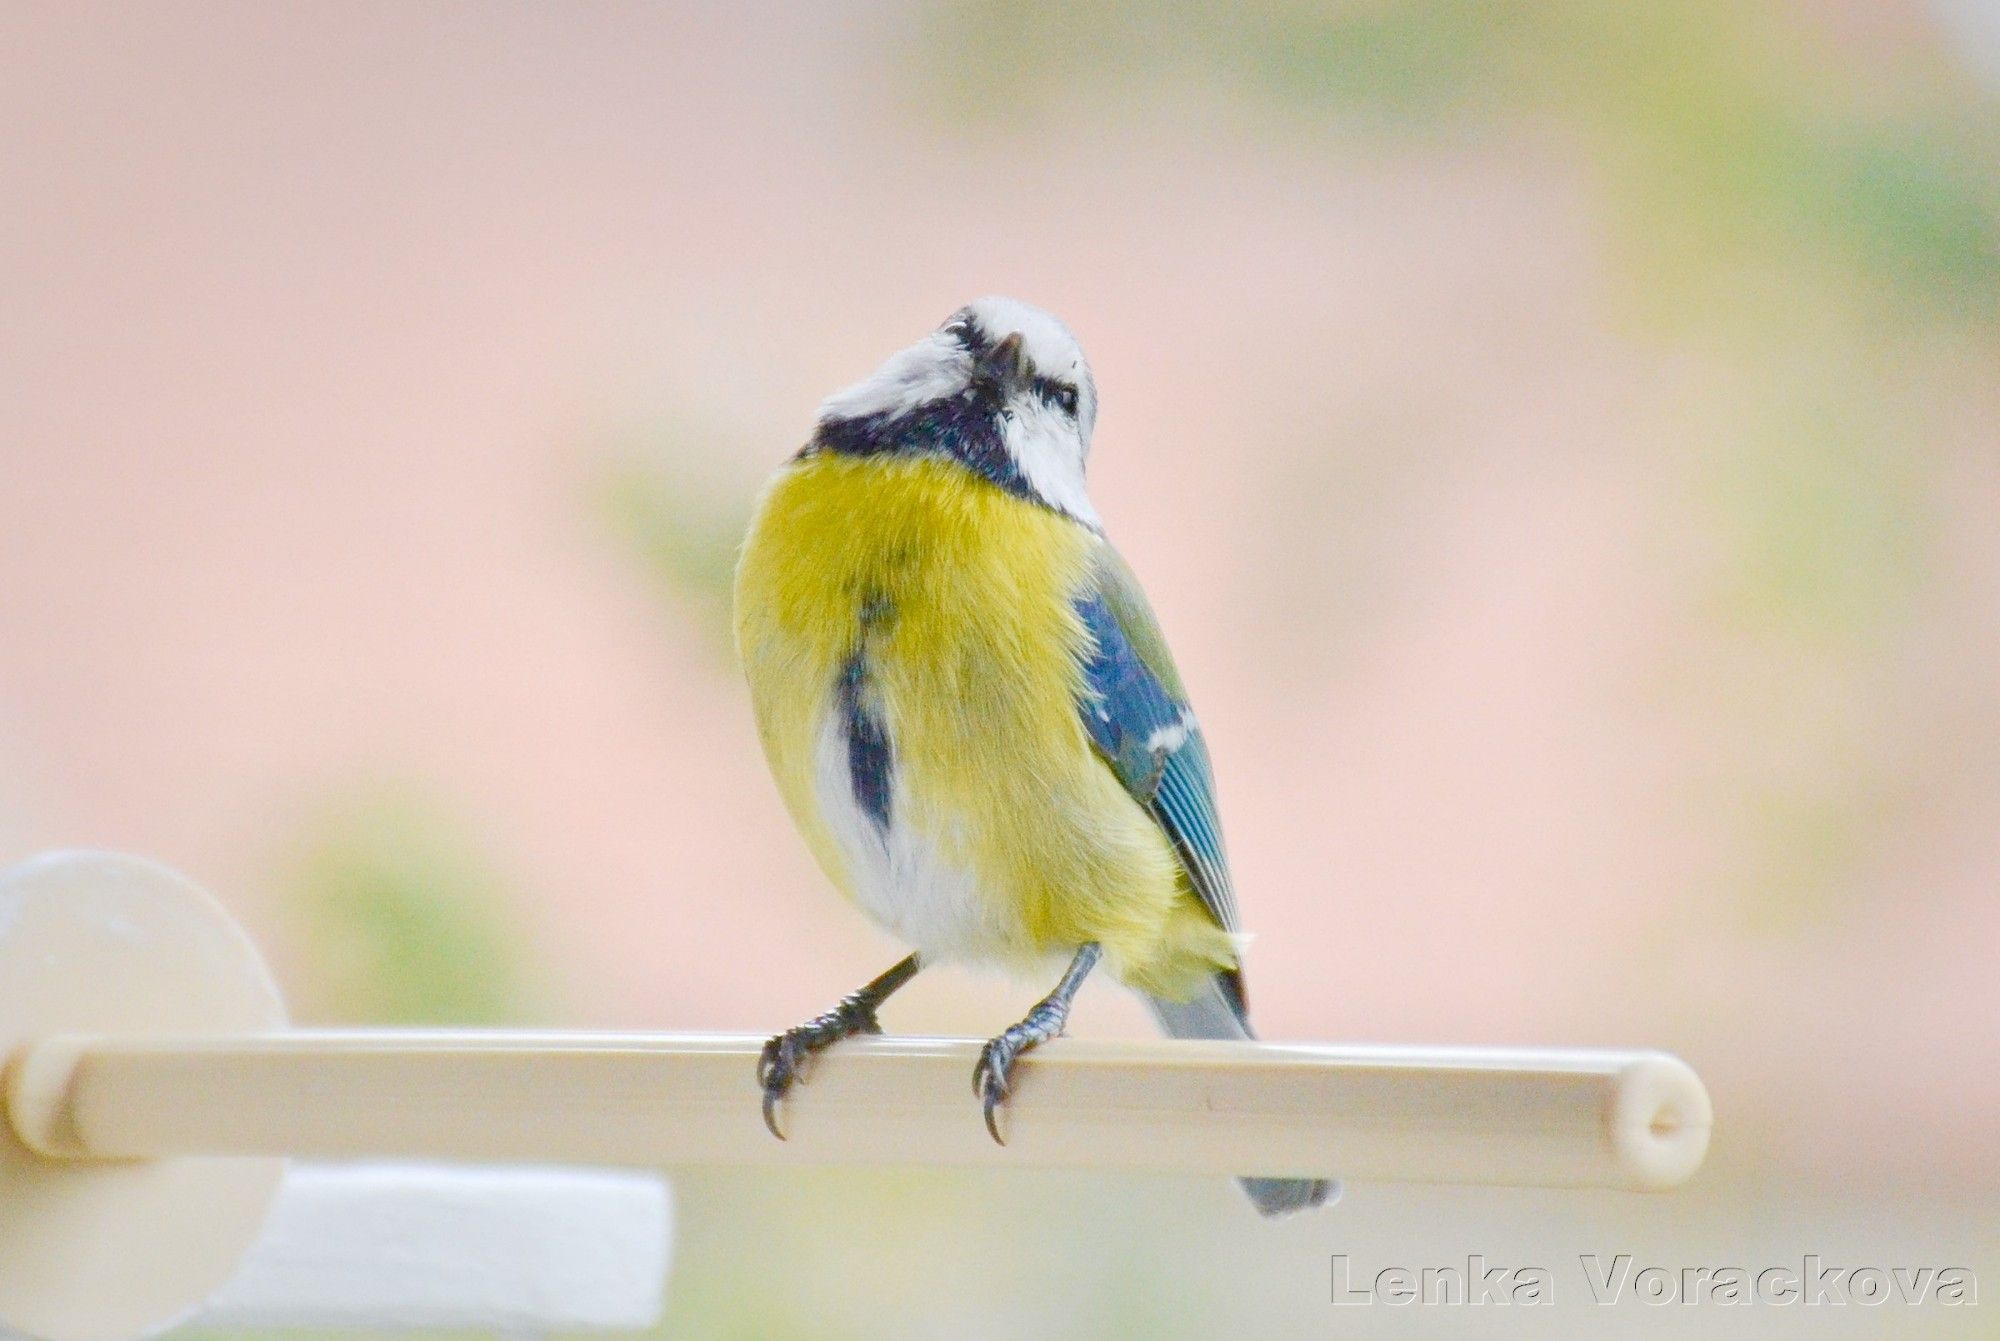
[{"x": 1011, "y": 840}]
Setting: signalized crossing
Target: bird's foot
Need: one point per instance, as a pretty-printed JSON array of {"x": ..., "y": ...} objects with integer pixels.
[
  {"x": 991, "y": 1078},
  {"x": 781, "y": 1065},
  {"x": 783, "y": 1061}
]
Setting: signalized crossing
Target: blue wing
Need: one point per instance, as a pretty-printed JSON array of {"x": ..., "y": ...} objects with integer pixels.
[{"x": 1138, "y": 716}]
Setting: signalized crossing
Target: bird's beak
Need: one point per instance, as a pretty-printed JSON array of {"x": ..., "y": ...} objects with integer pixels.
[{"x": 1003, "y": 366}]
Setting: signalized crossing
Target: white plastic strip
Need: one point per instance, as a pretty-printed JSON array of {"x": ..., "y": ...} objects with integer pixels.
[{"x": 393, "y": 1247}]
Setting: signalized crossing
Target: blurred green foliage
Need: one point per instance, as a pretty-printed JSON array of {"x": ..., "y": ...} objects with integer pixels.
[
  {"x": 1725, "y": 131},
  {"x": 683, "y": 528},
  {"x": 1412, "y": 65},
  {"x": 407, "y": 923},
  {"x": 1821, "y": 514}
]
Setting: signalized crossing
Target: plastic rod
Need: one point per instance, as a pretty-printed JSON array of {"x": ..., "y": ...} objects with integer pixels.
[{"x": 1521, "y": 1117}]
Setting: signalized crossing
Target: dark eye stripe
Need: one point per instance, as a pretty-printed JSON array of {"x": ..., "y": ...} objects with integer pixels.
[{"x": 1059, "y": 394}]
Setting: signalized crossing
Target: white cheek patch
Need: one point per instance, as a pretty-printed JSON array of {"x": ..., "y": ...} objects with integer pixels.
[{"x": 1048, "y": 452}]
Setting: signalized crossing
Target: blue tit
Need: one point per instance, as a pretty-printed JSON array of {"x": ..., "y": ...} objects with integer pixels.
[{"x": 970, "y": 710}]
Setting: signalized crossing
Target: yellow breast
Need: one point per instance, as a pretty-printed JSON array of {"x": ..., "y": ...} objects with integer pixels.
[{"x": 1016, "y": 840}]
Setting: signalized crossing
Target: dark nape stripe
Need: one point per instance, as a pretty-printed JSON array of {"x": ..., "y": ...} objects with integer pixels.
[
  {"x": 870, "y": 761},
  {"x": 961, "y": 428}
]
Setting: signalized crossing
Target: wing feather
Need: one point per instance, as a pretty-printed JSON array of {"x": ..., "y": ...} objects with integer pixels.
[{"x": 1137, "y": 714}]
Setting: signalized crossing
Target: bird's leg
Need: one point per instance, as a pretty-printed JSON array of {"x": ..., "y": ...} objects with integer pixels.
[
  {"x": 1044, "y": 1022},
  {"x": 779, "y": 1067}
]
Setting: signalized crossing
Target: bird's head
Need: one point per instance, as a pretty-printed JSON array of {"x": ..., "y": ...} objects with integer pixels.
[{"x": 1001, "y": 386}]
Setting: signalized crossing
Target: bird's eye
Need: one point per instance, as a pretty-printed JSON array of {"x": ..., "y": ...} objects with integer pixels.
[{"x": 1061, "y": 395}]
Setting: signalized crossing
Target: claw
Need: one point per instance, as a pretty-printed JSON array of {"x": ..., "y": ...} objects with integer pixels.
[
  {"x": 995, "y": 1096},
  {"x": 777, "y": 1072},
  {"x": 989, "y": 1081},
  {"x": 779, "y": 1064},
  {"x": 1044, "y": 1022}
]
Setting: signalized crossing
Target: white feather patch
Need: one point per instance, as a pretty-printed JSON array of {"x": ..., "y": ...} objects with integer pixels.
[
  {"x": 899, "y": 877},
  {"x": 1047, "y": 342},
  {"x": 931, "y": 369},
  {"x": 1166, "y": 739}
]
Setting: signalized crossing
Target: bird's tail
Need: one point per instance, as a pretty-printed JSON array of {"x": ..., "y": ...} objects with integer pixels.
[{"x": 1217, "y": 1011}]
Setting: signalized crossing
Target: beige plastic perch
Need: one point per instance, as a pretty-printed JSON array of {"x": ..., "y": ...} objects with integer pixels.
[
  {"x": 1523, "y": 1117},
  {"x": 150, "y": 1086}
]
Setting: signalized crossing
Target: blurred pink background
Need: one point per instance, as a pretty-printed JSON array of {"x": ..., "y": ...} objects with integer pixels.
[{"x": 1591, "y": 590}]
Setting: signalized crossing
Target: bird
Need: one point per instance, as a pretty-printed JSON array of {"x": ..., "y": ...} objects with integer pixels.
[{"x": 969, "y": 708}]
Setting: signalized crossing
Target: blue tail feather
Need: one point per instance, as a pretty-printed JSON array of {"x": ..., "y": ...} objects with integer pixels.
[{"x": 1217, "y": 1012}]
